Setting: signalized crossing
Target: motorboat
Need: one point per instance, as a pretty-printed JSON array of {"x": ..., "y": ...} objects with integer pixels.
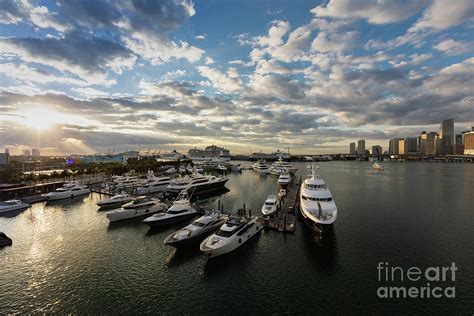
[
  {"x": 196, "y": 183},
  {"x": 231, "y": 235},
  {"x": 115, "y": 200},
  {"x": 154, "y": 185},
  {"x": 317, "y": 205},
  {"x": 198, "y": 170},
  {"x": 68, "y": 190},
  {"x": 280, "y": 166},
  {"x": 180, "y": 210},
  {"x": 13, "y": 205},
  {"x": 171, "y": 170},
  {"x": 377, "y": 165},
  {"x": 281, "y": 194},
  {"x": 284, "y": 179},
  {"x": 196, "y": 231},
  {"x": 260, "y": 167},
  {"x": 270, "y": 205},
  {"x": 182, "y": 169},
  {"x": 189, "y": 169},
  {"x": 117, "y": 183},
  {"x": 5, "y": 240},
  {"x": 221, "y": 167},
  {"x": 138, "y": 207},
  {"x": 208, "y": 165},
  {"x": 236, "y": 168}
]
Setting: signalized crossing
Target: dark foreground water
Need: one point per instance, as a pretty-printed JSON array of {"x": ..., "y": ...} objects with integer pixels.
[{"x": 66, "y": 258}]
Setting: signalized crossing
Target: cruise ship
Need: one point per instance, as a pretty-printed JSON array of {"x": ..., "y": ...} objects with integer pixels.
[
  {"x": 317, "y": 205},
  {"x": 209, "y": 153}
]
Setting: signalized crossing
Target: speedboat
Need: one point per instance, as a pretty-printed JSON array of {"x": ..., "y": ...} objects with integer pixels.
[
  {"x": 231, "y": 235},
  {"x": 139, "y": 207},
  {"x": 182, "y": 169},
  {"x": 196, "y": 183},
  {"x": 68, "y": 190},
  {"x": 260, "y": 167},
  {"x": 5, "y": 240},
  {"x": 196, "y": 231},
  {"x": 171, "y": 170},
  {"x": 115, "y": 200},
  {"x": 236, "y": 168},
  {"x": 270, "y": 205},
  {"x": 154, "y": 185},
  {"x": 280, "y": 166},
  {"x": 180, "y": 210},
  {"x": 317, "y": 205},
  {"x": 189, "y": 169},
  {"x": 284, "y": 179},
  {"x": 377, "y": 165},
  {"x": 13, "y": 205},
  {"x": 221, "y": 167}
]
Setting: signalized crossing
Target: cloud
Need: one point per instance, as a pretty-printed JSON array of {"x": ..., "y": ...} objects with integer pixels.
[
  {"x": 226, "y": 82},
  {"x": 201, "y": 37},
  {"x": 333, "y": 43},
  {"x": 209, "y": 61},
  {"x": 442, "y": 14},
  {"x": 276, "y": 86},
  {"x": 374, "y": 11},
  {"x": 452, "y": 47}
]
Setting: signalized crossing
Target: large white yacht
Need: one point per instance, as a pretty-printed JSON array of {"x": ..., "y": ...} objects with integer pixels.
[
  {"x": 13, "y": 205},
  {"x": 317, "y": 205},
  {"x": 154, "y": 185},
  {"x": 284, "y": 179},
  {"x": 260, "y": 167},
  {"x": 270, "y": 205},
  {"x": 233, "y": 234},
  {"x": 196, "y": 183},
  {"x": 68, "y": 190},
  {"x": 115, "y": 200},
  {"x": 280, "y": 166},
  {"x": 180, "y": 210},
  {"x": 196, "y": 231},
  {"x": 139, "y": 207},
  {"x": 117, "y": 183}
]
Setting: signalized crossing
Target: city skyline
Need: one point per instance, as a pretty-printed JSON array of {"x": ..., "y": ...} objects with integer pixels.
[{"x": 309, "y": 75}]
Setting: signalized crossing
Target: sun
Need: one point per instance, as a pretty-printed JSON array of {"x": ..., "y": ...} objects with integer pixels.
[{"x": 41, "y": 118}]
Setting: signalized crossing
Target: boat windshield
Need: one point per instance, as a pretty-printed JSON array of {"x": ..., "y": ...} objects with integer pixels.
[
  {"x": 315, "y": 186},
  {"x": 225, "y": 233},
  {"x": 329, "y": 199},
  {"x": 177, "y": 211},
  {"x": 198, "y": 224}
]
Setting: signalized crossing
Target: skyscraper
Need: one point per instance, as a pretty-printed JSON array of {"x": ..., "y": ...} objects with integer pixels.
[
  {"x": 469, "y": 143},
  {"x": 35, "y": 152},
  {"x": 427, "y": 143},
  {"x": 376, "y": 150},
  {"x": 393, "y": 148},
  {"x": 361, "y": 147},
  {"x": 352, "y": 148},
  {"x": 411, "y": 144},
  {"x": 402, "y": 148},
  {"x": 446, "y": 136}
]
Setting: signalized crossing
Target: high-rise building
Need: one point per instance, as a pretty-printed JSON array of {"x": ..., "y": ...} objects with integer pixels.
[
  {"x": 458, "y": 144},
  {"x": 7, "y": 151},
  {"x": 439, "y": 148},
  {"x": 352, "y": 148},
  {"x": 469, "y": 143},
  {"x": 427, "y": 143},
  {"x": 361, "y": 146},
  {"x": 402, "y": 150},
  {"x": 4, "y": 159},
  {"x": 26, "y": 152},
  {"x": 411, "y": 145},
  {"x": 446, "y": 135},
  {"x": 376, "y": 150},
  {"x": 35, "y": 152},
  {"x": 393, "y": 148}
]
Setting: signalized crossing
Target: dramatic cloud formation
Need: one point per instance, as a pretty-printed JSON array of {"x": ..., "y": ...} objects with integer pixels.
[{"x": 91, "y": 75}]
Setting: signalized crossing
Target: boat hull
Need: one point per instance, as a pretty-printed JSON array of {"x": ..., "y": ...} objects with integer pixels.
[
  {"x": 15, "y": 209},
  {"x": 169, "y": 220},
  {"x": 157, "y": 189},
  {"x": 134, "y": 213},
  {"x": 66, "y": 195},
  {"x": 196, "y": 190},
  {"x": 315, "y": 226},
  {"x": 194, "y": 239}
]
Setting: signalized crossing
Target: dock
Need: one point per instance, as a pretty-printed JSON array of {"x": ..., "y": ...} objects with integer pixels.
[{"x": 286, "y": 215}]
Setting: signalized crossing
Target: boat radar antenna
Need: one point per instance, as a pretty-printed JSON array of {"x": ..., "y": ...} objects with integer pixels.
[{"x": 314, "y": 168}]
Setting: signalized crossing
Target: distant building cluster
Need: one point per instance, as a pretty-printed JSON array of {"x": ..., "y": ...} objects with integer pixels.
[{"x": 441, "y": 143}]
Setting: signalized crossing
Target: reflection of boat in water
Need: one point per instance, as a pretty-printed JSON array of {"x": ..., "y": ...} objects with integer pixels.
[
  {"x": 196, "y": 231},
  {"x": 233, "y": 234},
  {"x": 5, "y": 240},
  {"x": 317, "y": 205}
]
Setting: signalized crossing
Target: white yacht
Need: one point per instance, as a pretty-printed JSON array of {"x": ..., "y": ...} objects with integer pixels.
[
  {"x": 221, "y": 167},
  {"x": 68, "y": 190},
  {"x": 270, "y": 205},
  {"x": 280, "y": 166},
  {"x": 196, "y": 183},
  {"x": 154, "y": 185},
  {"x": 171, "y": 170},
  {"x": 208, "y": 165},
  {"x": 122, "y": 183},
  {"x": 236, "y": 168},
  {"x": 377, "y": 165},
  {"x": 182, "y": 169},
  {"x": 284, "y": 179},
  {"x": 196, "y": 231},
  {"x": 139, "y": 207},
  {"x": 115, "y": 200},
  {"x": 317, "y": 205},
  {"x": 180, "y": 210},
  {"x": 233, "y": 234},
  {"x": 260, "y": 167},
  {"x": 13, "y": 205}
]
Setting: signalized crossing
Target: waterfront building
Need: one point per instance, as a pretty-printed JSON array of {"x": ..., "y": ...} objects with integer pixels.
[
  {"x": 459, "y": 144},
  {"x": 469, "y": 143},
  {"x": 35, "y": 152},
  {"x": 361, "y": 146},
  {"x": 4, "y": 159},
  {"x": 7, "y": 151},
  {"x": 376, "y": 150},
  {"x": 26, "y": 152},
  {"x": 352, "y": 148},
  {"x": 446, "y": 136},
  {"x": 427, "y": 143},
  {"x": 402, "y": 150},
  {"x": 439, "y": 148},
  {"x": 393, "y": 146},
  {"x": 411, "y": 145}
]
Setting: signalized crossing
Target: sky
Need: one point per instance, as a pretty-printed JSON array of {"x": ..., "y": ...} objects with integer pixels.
[{"x": 86, "y": 76}]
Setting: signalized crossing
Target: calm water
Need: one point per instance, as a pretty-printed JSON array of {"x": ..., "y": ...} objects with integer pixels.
[{"x": 66, "y": 258}]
